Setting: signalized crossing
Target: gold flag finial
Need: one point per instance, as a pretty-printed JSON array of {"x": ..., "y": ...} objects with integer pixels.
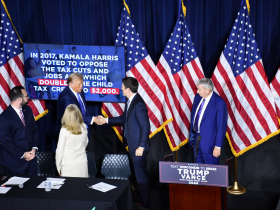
[
  {"x": 248, "y": 6},
  {"x": 126, "y": 7},
  {"x": 184, "y": 8}
]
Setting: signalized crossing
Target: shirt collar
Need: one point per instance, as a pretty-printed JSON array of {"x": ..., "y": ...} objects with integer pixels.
[
  {"x": 209, "y": 97},
  {"x": 131, "y": 97},
  {"x": 75, "y": 93},
  {"x": 16, "y": 109}
]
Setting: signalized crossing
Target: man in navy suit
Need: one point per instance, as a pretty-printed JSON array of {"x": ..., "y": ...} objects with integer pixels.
[
  {"x": 73, "y": 94},
  {"x": 208, "y": 123},
  {"x": 136, "y": 130},
  {"x": 19, "y": 136}
]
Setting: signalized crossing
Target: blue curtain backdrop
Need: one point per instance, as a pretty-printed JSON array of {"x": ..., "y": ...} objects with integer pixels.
[{"x": 95, "y": 22}]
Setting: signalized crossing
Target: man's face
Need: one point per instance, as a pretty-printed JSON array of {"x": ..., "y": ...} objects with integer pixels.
[
  {"x": 25, "y": 98},
  {"x": 77, "y": 85},
  {"x": 203, "y": 92},
  {"x": 125, "y": 91}
]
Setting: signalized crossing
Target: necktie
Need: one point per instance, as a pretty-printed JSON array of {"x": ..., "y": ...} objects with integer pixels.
[
  {"x": 127, "y": 106},
  {"x": 81, "y": 103},
  {"x": 195, "y": 127},
  {"x": 22, "y": 117}
]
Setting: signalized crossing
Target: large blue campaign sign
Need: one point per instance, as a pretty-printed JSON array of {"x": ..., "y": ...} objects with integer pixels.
[{"x": 48, "y": 66}]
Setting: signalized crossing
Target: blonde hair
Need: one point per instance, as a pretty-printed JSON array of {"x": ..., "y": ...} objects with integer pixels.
[{"x": 72, "y": 119}]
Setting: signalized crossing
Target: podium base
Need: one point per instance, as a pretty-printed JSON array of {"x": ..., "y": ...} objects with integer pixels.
[{"x": 236, "y": 190}]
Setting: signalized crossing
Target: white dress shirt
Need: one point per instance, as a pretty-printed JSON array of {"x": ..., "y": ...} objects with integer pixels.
[
  {"x": 75, "y": 94},
  {"x": 207, "y": 99}
]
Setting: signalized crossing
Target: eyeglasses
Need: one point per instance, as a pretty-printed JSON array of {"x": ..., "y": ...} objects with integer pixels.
[{"x": 27, "y": 96}]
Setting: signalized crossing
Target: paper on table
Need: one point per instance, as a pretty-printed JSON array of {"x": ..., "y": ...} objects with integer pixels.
[
  {"x": 53, "y": 185},
  {"x": 4, "y": 190},
  {"x": 57, "y": 180},
  {"x": 103, "y": 187},
  {"x": 15, "y": 180}
]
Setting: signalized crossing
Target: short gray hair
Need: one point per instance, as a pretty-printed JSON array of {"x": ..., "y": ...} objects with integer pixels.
[{"x": 206, "y": 83}]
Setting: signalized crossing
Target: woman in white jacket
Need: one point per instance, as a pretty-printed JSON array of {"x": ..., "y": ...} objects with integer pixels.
[{"x": 71, "y": 159}]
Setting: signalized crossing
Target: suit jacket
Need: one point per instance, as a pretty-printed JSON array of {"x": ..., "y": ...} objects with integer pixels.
[
  {"x": 15, "y": 138},
  {"x": 136, "y": 124},
  {"x": 213, "y": 124},
  {"x": 65, "y": 98}
]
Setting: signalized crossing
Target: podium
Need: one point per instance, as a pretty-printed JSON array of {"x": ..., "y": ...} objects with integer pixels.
[
  {"x": 196, "y": 197},
  {"x": 195, "y": 186}
]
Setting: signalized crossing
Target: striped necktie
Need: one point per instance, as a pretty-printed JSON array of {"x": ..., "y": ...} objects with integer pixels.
[
  {"x": 22, "y": 117},
  {"x": 81, "y": 104}
]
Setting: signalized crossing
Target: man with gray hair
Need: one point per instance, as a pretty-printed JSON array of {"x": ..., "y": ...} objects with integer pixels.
[{"x": 208, "y": 123}]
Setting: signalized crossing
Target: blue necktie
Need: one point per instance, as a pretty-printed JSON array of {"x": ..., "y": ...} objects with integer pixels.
[
  {"x": 127, "y": 106},
  {"x": 195, "y": 127},
  {"x": 81, "y": 104}
]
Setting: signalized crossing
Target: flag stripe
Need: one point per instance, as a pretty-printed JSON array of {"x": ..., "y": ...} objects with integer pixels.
[
  {"x": 240, "y": 132},
  {"x": 174, "y": 102},
  {"x": 252, "y": 103}
]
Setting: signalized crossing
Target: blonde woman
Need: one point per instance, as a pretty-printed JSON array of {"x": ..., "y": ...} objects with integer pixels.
[{"x": 71, "y": 159}]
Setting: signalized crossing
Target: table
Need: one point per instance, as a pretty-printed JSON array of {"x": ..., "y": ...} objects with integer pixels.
[{"x": 73, "y": 195}]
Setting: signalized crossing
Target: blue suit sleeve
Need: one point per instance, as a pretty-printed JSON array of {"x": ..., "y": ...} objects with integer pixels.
[
  {"x": 221, "y": 124},
  {"x": 144, "y": 123},
  {"x": 116, "y": 120}
]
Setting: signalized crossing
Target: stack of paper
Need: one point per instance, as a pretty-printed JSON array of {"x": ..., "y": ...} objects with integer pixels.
[
  {"x": 56, "y": 183},
  {"x": 15, "y": 180},
  {"x": 4, "y": 190},
  {"x": 103, "y": 187}
]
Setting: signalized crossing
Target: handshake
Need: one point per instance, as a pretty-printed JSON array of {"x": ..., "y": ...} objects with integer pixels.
[{"x": 100, "y": 120}]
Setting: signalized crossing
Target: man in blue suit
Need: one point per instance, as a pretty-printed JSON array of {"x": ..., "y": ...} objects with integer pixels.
[
  {"x": 19, "y": 136},
  {"x": 136, "y": 130},
  {"x": 208, "y": 123},
  {"x": 73, "y": 94}
]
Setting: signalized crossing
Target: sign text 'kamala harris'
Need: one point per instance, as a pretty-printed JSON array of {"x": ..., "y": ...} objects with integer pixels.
[
  {"x": 193, "y": 173},
  {"x": 48, "y": 66}
]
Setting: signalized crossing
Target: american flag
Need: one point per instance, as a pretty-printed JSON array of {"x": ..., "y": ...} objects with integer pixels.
[
  {"x": 275, "y": 89},
  {"x": 11, "y": 65},
  {"x": 181, "y": 69},
  {"x": 240, "y": 79},
  {"x": 140, "y": 65}
]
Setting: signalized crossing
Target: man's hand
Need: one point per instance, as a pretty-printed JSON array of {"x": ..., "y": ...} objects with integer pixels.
[
  {"x": 28, "y": 156},
  {"x": 139, "y": 151},
  {"x": 99, "y": 120},
  {"x": 216, "y": 152},
  {"x": 33, "y": 151}
]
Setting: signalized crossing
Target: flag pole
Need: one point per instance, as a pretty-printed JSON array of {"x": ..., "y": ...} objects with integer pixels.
[{"x": 235, "y": 189}]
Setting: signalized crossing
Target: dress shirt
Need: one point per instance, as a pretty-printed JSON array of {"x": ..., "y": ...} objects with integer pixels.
[
  {"x": 75, "y": 94},
  {"x": 207, "y": 99}
]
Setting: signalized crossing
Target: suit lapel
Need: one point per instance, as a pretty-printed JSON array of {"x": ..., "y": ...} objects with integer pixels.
[
  {"x": 195, "y": 104},
  {"x": 210, "y": 105},
  {"x": 131, "y": 105},
  {"x": 74, "y": 98},
  {"x": 14, "y": 115}
]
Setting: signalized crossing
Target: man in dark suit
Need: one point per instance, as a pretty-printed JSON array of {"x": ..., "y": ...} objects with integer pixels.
[
  {"x": 208, "y": 123},
  {"x": 73, "y": 94},
  {"x": 19, "y": 136},
  {"x": 136, "y": 130}
]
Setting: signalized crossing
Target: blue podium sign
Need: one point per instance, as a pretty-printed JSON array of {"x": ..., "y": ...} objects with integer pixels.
[{"x": 193, "y": 173}]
